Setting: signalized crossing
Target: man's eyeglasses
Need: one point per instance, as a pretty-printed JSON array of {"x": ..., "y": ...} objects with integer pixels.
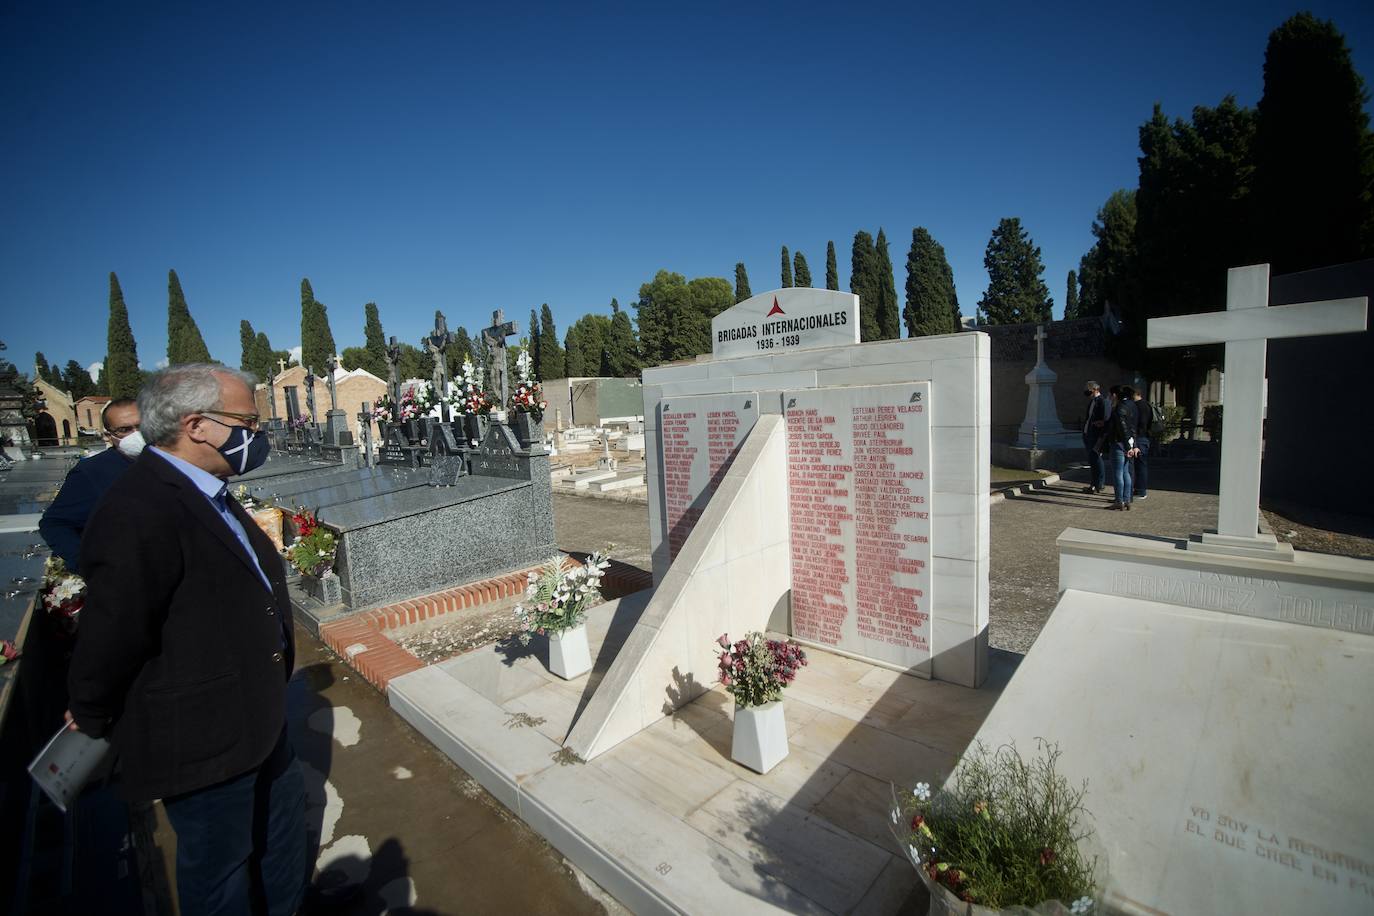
[
  {"x": 119, "y": 432},
  {"x": 249, "y": 420}
]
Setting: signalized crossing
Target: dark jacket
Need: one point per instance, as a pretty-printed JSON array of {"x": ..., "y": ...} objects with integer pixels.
[
  {"x": 1143, "y": 418},
  {"x": 1098, "y": 409},
  {"x": 1120, "y": 425},
  {"x": 65, "y": 520},
  {"x": 182, "y": 657}
]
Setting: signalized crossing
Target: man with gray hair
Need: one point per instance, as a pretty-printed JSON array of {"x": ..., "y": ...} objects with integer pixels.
[{"x": 186, "y": 646}]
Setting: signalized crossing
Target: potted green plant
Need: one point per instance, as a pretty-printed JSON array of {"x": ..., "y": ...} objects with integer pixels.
[
  {"x": 1003, "y": 835},
  {"x": 555, "y": 605},
  {"x": 755, "y": 670},
  {"x": 312, "y": 555}
]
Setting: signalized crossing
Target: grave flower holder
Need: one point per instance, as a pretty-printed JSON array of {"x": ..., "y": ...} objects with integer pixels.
[
  {"x": 528, "y": 430},
  {"x": 325, "y": 588},
  {"x": 755, "y": 670},
  {"x": 476, "y": 427},
  {"x": 569, "y": 654},
  {"x": 760, "y": 737}
]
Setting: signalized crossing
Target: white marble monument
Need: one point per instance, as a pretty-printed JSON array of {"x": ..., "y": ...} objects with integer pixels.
[
  {"x": 837, "y": 493},
  {"x": 1041, "y": 427},
  {"x": 1213, "y": 697}
]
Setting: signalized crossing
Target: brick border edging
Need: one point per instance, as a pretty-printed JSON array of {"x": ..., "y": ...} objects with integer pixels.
[{"x": 378, "y": 658}]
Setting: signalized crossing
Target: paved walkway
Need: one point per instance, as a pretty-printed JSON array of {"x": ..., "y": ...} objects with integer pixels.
[{"x": 1024, "y": 575}]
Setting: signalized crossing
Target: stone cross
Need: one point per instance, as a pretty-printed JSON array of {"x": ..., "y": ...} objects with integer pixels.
[
  {"x": 331, "y": 364},
  {"x": 310, "y": 393},
  {"x": 1040, "y": 338},
  {"x": 437, "y": 343},
  {"x": 495, "y": 336},
  {"x": 393, "y": 359},
  {"x": 1246, "y": 326},
  {"x": 282, "y": 363}
]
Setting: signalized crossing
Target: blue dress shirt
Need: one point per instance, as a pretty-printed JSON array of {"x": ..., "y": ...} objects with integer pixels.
[{"x": 215, "y": 491}]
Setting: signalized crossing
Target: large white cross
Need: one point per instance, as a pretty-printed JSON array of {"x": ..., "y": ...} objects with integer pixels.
[{"x": 1245, "y": 327}]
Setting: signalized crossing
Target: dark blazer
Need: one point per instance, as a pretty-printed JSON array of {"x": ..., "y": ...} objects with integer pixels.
[
  {"x": 1098, "y": 409},
  {"x": 182, "y": 657},
  {"x": 64, "y": 521}
]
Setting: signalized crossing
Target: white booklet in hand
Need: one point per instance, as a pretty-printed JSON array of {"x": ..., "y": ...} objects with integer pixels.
[{"x": 69, "y": 761}]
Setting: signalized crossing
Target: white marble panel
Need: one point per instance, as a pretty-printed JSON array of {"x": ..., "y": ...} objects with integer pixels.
[
  {"x": 956, "y": 589},
  {"x": 835, "y": 358},
  {"x": 954, "y": 392},
  {"x": 859, "y": 478},
  {"x": 865, "y": 373},
  {"x": 954, "y": 525},
  {"x": 944, "y": 346},
  {"x": 777, "y": 381},
  {"x": 955, "y": 453}
]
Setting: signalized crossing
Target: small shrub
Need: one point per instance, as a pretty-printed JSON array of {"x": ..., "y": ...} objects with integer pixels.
[{"x": 1004, "y": 832}]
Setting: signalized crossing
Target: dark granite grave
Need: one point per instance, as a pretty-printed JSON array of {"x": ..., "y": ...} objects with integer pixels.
[{"x": 401, "y": 535}]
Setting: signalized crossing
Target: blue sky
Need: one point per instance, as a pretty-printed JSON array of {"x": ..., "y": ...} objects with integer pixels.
[{"x": 429, "y": 156}]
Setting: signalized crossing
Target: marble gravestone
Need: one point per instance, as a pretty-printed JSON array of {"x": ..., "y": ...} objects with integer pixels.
[
  {"x": 1211, "y": 690},
  {"x": 700, "y": 438},
  {"x": 859, "y": 486},
  {"x": 400, "y": 535}
]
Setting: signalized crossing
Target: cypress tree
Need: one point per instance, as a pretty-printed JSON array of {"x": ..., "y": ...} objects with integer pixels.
[
  {"x": 317, "y": 341},
  {"x": 184, "y": 342},
  {"x": 458, "y": 350},
  {"x": 1071, "y": 297},
  {"x": 1313, "y": 152},
  {"x": 121, "y": 375},
  {"x": 531, "y": 343},
  {"x": 654, "y": 316},
  {"x": 1016, "y": 290},
  {"x": 247, "y": 347},
  {"x": 572, "y": 353},
  {"x": 742, "y": 290},
  {"x": 622, "y": 350},
  {"x": 77, "y": 380},
  {"x": 264, "y": 359},
  {"x": 551, "y": 356},
  {"x": 888, "y": 320},
  {"x": 863, "y": 282},
  {"x": 929, "y": 288},
  {"x": 41, "y": 367},
  {"x": 481, "y": 358},
  {"x": 374, "y": 342},
  {"x": 786, "y": 269},
  {"x": 832, "y": 272},
  {"x": 802, "y": 273}
]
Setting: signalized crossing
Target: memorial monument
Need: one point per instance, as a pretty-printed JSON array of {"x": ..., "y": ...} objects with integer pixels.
[
  {"x": 806, "y": 483},
  {"x": 1209, "y": 690},
  {"x": 1041, "y": 428}
]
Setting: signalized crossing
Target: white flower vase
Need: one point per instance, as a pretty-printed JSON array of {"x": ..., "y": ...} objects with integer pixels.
[
  {"x": 569, "y": 655},
  {"x": 760, "y": 740}
]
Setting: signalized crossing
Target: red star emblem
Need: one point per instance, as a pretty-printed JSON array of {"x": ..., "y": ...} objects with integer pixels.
[{"x": 775, "y": 310}]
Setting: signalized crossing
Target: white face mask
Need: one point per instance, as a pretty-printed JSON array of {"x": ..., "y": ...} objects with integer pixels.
[{"x": 131, "y": 444}]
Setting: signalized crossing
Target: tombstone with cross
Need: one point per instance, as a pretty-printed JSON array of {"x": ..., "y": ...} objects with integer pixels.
[
  {"x": 1246, "y": 326},
  {"x": 1041, "y": 427},
  {"x": 336, "y": 430},
  {"x": 495, "y": 336}
]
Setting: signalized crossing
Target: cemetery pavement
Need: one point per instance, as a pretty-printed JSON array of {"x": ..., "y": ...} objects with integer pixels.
[
  {"x": 1024, "y": 576},
  {"x": 389, "y": 809}
]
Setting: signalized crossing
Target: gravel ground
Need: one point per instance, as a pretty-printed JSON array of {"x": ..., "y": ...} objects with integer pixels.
[{"x": 1323, "y": 532}]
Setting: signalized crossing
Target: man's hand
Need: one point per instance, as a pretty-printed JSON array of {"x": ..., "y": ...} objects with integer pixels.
[
  {"x": 1099, "y": 423},
  {"x": 71, "y": 723}
]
